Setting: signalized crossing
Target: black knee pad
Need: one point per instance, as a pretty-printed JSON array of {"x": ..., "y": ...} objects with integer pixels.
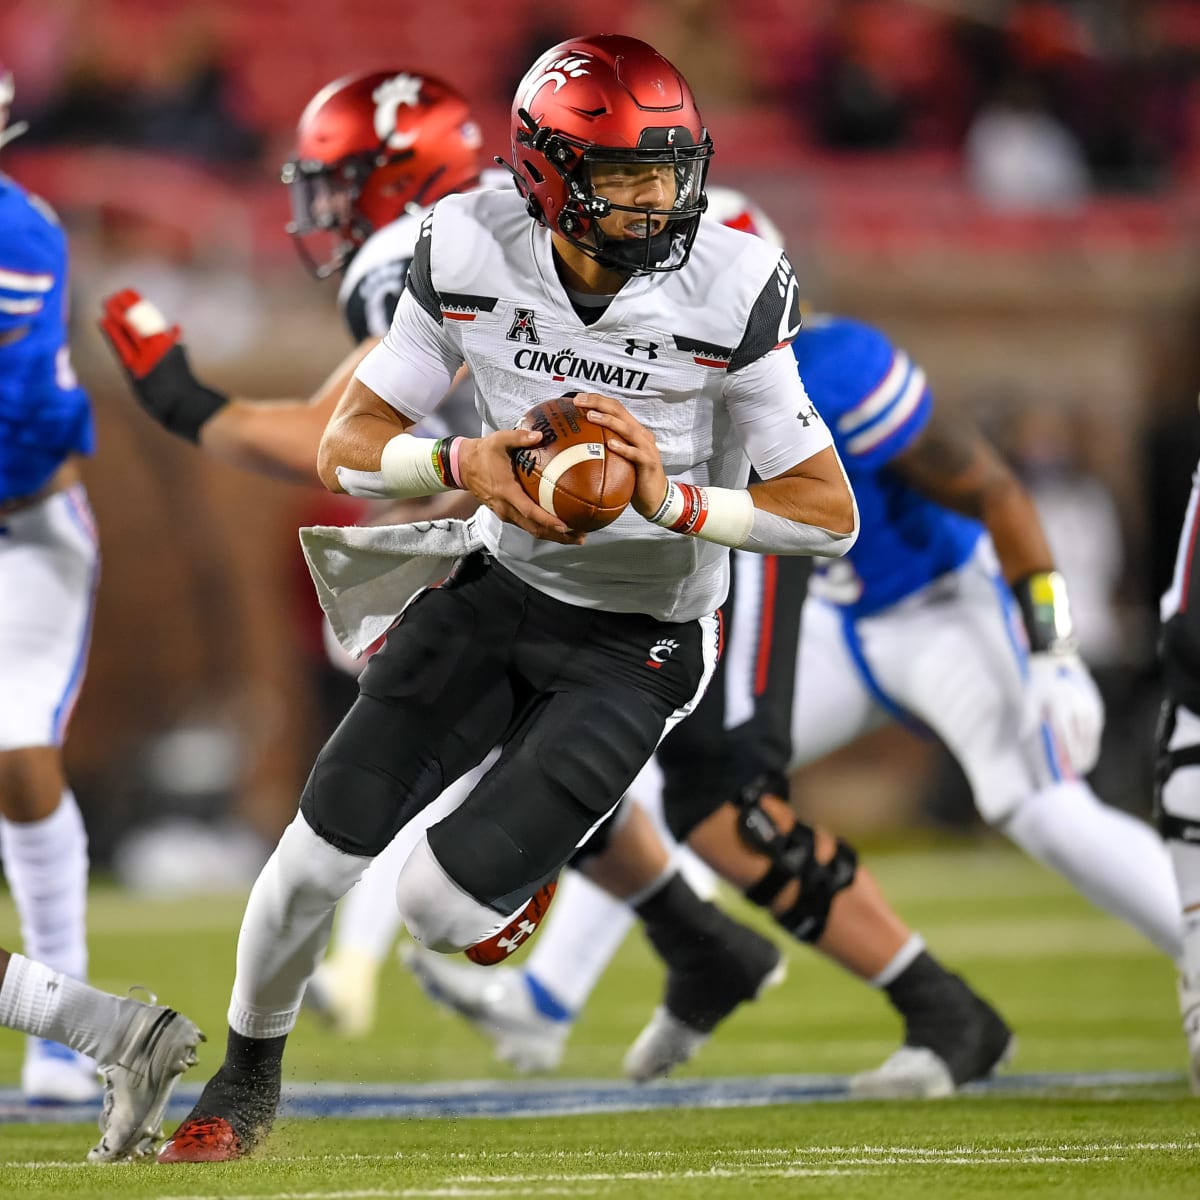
[
  {"x": 792, "y": 856},
  {"x": 358, "y": 796}
]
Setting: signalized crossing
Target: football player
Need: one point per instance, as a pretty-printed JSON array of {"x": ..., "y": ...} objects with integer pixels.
[
  {"x": 371, "y": 148},
  {"x": 339, "y": 136},
  {"x": 1177, "y": 791},
  {"x": 540, "y": 638},
  {"x": 947, "y": 614},
  {"x": 49, "y": 564}
]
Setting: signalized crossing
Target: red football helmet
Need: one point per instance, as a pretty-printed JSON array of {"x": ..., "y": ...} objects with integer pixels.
[
  {"x": 609, "y": 99},
  {"x": 369, "y": 146}
]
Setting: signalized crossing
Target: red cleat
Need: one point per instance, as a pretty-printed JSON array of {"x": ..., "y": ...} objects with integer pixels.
[
  {"x": 202, "y": 1139},
  {"x": 517, "y": 932}
]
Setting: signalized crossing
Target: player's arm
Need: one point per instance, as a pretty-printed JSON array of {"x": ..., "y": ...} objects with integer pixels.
[
  {"x": 279, "y": 437},
  {"x": 805, "y": 508},
  {"x": 952, "y": 463},
  {"x": 367, "y": 448},
  {"x": 272, "y": 437},
  {"x": 804, "y": 504}
]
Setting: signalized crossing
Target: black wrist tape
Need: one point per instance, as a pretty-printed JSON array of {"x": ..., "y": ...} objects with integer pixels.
[{"x": 1042, "y": 598}]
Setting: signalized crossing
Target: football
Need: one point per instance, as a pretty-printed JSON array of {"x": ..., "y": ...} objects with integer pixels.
[{"x": 571, "y": 472}]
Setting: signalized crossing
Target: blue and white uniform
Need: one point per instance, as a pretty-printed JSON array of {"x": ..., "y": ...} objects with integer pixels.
[
  {"x": 48, "y": 548},
  {"x": 916, "y": 622}
]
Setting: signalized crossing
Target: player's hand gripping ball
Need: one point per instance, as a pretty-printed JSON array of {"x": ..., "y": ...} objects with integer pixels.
[{"x": 571, "y": 472}]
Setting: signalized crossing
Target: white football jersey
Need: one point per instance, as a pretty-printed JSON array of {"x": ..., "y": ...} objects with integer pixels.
[{"x": 699, "y": 356}]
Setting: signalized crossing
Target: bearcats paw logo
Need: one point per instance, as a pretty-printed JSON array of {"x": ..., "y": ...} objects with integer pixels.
[{"x": 660, "y": 652}]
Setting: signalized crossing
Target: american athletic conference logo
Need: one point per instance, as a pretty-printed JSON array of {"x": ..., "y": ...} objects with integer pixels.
[
  {"x": 660, "y": 652},
  {"x": 523, "y": 328}
]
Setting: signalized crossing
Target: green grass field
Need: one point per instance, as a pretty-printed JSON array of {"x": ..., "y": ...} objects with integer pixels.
[{"x": 1082, "y": 992}]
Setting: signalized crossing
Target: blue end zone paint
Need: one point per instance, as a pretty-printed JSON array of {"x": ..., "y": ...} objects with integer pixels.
[{"x": 567, "y": 1097}]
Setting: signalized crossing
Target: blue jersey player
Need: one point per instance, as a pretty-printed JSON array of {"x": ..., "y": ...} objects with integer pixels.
[
  {"x": 948, "y": 614},
  {"x": 48, "y": 567}
]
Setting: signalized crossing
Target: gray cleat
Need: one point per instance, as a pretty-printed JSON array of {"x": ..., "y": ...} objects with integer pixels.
[{"x": 158, "y": 1046}]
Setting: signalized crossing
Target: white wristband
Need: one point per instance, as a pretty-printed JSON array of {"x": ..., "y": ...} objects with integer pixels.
[
  {"x": 713, "y": 514},
  {"x": 408, "y": 468}
]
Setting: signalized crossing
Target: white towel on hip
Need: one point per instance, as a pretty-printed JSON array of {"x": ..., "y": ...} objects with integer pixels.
[{"x": 365, "y": 575}]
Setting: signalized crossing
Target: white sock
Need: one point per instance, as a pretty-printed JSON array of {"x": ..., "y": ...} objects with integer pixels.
[
  {"x": 1181, "y": 798},
  {"x": 46, "y": 864},
  {"x": 368, "y": 921},
  {"x": 900, "y": 962},
  {"x": 1117, "y": 861},
  {"x": 285, "y": 929},
  {"x": 701, "y": 878},
  {"x": 584, "y": 930},
  {"x": 45, "y": 1003}
]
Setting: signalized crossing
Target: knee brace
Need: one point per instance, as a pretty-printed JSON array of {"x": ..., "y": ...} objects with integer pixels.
[
  {"x": 1177, "y": 816},
  {"x": 792, "y": 855}
]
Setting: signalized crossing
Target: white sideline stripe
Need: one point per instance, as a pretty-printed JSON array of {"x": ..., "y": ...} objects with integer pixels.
[
  {"x": 855, "y": 1155},
  {"x": 560, "y": 464}
]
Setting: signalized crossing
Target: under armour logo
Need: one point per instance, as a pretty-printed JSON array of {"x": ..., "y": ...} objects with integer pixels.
[
  {"x": 523, "y": 328},
  {"x": 660, "y": 652},
  {"x": 523, "y": 929},
  {"x": 807, "y": 415},
  {"x": 635, "y": 346}
]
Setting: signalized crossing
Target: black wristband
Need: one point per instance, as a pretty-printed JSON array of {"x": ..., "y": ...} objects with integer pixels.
[
  {"x": 1042, "y": 599},
  {"x": 175, "y": 398}
]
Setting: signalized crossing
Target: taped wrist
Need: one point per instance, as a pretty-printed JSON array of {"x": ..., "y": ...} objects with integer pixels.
[
  {"x": 413, "y": 466},
  {"x": 721, "y": 515},
  {"x": 1046, "y": 613},
  {"x": 175, "y": 398}
]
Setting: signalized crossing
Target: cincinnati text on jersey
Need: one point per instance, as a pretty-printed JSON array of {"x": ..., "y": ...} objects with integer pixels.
[{"x": 566, "y": 364}]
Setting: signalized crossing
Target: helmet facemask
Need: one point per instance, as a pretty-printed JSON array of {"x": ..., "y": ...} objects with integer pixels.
[
  {"x": 329, "y": 198},
  {"x": 671, "y": 230}
]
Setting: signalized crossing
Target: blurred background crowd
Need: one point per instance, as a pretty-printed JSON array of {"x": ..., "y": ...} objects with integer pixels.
[{"x": 1010, "y": 188}]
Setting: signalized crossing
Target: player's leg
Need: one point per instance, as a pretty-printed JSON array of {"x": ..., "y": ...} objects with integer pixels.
[
  {"x": 344, "y": 987},
  {"x": 143, "y": 1048},
  {"x": 430, "y": 707},
  {"x": 964, "y": 679},
  {"x": 48, "y": 567},
  {"x": 1177, "y": 791},
  {"x": 713, "y": 962},
  {"x": 816, "y": 890}
]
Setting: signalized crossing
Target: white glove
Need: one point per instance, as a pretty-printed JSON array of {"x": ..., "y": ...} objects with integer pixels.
[{"x": 1062, "y": 693}]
